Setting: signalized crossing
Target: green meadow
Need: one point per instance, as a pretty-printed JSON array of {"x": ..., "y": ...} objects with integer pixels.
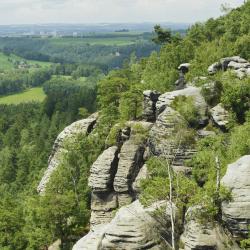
[{"x": 30, "y": 95}]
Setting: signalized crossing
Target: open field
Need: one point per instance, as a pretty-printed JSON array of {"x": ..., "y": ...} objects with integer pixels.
[
  {"x": 108, "y": 39},
  {"x": 33, "y": 94},
  {"x": 12, "y": 61}
]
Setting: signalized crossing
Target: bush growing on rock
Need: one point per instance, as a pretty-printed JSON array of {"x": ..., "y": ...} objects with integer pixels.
[{"x": 186, "y": 107}]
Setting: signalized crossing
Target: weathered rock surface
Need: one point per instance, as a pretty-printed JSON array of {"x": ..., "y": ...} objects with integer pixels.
[
  {"x": 204, "y": 236},
  {"x": 133, "y": 227},
  {"x": 149, "y": 105},
  {"x": 220, "y": 116},
  {"x": 91, "y": 241},
  {"x": 130, "y": 162},
  {"x": 142, "y": 175},
  {"x": 163, "y": 138},
  {"x": 239, "y": 65},
  {"x": 236, "y": 213},
  {"x": 213, "y": 68},
  {"x": 184, "y": 67},
  {"x": 166, "y": 99},
  {"x": 113, "y": 173},
  {"x": 103, "y": 171},
  {"x": 71, "y": 132}
]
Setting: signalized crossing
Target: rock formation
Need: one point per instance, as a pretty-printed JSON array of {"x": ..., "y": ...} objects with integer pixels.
[
  {"x": 240, "y": 66},
  {"x": 80, "y": 127},
  {"x": 236, "y": 213},
  {"x": 203, "y": 236},
  {"x": 112, "y": 175},
  {"x": 149, "y": 105},
  {"x": 220, "y": 116},
  {"x": 183, "y": 69},
  {"x": 166, "y": 99},
  {"x": 118, "y": 220},
  {"x": 133, "y": 227}
]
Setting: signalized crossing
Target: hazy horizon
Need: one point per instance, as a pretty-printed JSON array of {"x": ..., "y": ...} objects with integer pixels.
[{"x": 40, "y": 12}]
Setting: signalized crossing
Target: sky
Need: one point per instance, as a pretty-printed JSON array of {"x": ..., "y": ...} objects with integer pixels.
[{"x": 109, "y": 11}]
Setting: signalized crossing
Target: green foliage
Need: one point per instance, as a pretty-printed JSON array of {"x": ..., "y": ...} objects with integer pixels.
[
  {"x": 245, "y": 244},
  {"x": 30, "y": 95},
  {"x": 131, "y": 104},
  {"x": 212, "y": 92},
  {"x": 186, "y": 107},
  {"x": 162, "y": 36},
  {"x": 236, "y": 96},
  {"x": 157, "y": 186}
]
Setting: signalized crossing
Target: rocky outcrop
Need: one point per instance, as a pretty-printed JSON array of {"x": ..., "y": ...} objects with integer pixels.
[
  {"x": 106, "y": 167},
  {"x": 236, "y": 213},
  {"x": 239, "y": 65},
  {"x": 103, "y": 199},
  {"x": 166, "y": 99},
  {"x": 220, "y": 116},
  {"x": 113, "y": 173},
  {"x": 163, "y": 139},
  {"x": 71, "y": 132},
  {"x": 130, "y": 162},
  {"x": 149, "y": 105},
  {"x": 133, "y": 227},
  {"x": 203, "y": 236}
]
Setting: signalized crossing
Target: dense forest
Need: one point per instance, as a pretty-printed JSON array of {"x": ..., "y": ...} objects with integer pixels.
[
  {"x": 27, "y": 131},
  {"x": 95, "y": 50}
]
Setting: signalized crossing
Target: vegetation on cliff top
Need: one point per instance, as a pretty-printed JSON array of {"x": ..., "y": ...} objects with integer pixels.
[{"x": 27, "y": 133}]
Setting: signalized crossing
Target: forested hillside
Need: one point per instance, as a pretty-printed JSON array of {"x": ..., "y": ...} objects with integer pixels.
[{"x": 27, "y": 132}]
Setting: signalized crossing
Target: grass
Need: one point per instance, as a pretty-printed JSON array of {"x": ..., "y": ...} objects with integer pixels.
[
  {"x": 33, "y": 94},
  {"x": 7, "y": 62},
  {"x": 110, "y": 41}
]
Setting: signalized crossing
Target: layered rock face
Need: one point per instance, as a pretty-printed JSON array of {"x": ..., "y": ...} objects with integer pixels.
[
  {"x": 133, "y": 227},
  {"x": 236, "y": 213},
  {"x": 112, "y": 175},
  {"x": 163, "y": 139},
  {"x": 200, "y": 236},
  {"x": 238, "y": 65},
  {"x": 71, "y": 132},
  {"x": 166, "y": 99}
]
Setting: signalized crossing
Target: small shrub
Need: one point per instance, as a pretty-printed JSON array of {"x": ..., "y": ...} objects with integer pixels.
[{"x": 185, "y": 106}]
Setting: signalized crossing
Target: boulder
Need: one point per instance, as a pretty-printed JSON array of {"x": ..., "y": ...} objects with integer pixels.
[
  {"x": 234, "y": 62},
  {"x": 220, "y": 116},
  {"x": 225, "y": 61},
  {"x": 103, "y": 170},
  {"x": 236, "y": 65},
  {"x": 149, "y": 109},
  {"x": 214, "y": 68},
  {"x": 184, "y": 67},
  {"x": 166, "y": 99},
  {"x": 71, "y": 132},
  {"x": 133, "y": 227},
  {"x": 236, "y": 213}
]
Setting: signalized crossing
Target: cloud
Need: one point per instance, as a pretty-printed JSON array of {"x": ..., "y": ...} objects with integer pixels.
[{"x": 79, "y": 11}]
